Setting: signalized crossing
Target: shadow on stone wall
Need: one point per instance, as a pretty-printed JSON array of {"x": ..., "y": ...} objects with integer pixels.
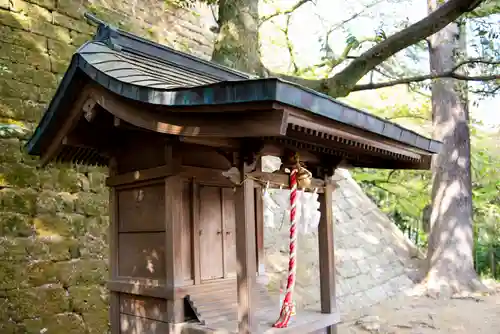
[{"x": 53, "y": 221}]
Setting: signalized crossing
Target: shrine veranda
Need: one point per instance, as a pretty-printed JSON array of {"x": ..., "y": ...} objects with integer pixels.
[{"x": 183, "y": 140}]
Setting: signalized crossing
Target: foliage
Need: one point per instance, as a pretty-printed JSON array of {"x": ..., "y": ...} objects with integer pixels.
[{"x": 403, "y": 195}]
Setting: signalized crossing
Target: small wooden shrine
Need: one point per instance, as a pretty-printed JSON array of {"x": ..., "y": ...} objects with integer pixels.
[{"x": 186, "y": 238}]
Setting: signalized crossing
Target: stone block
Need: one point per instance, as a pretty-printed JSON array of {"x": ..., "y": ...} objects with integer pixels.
[
  {"x": 45, "y": 94},
  {"x": 59, "y": 66},
  {"x": 13, "y": 249},
  {"x": 56, "y": 324},
  {"x": 97, "y": 179},
  {"x": 15, "y": 224},
  {"x": 52, "y": 249},
  {"x": 25, "y": 110},
  {"x": 91, "y": 247},
  {"x": 88, "y": 299},
  {"x": 42, "y": 272},
  {"x": 4, "y": 4},
  {"x": 61, "y": 50},
  {"x": 73, "y": 8},
  {"x": 71, "y": 23},
  {"x": 60, "y": 177},
  {"x": 49, "y": 4},
  {"x": 25, "y": 303},
  {"x": 28, "y": 74},
  {"x": 358, "y": 254},
  {"x": 83, "y": 272},
  {"x": 14, "y": 88},
  {"x": 14, "y": 20},
  {"x": 12, "y": 275},
  {"x": 31, "y": 10},
  {"x": 51, "y": 31},
  {"x": 363, "y": 265},
  {"x": 97, "y": 322},
  {"x": 53, "y": 226},
  {"x": 77, "y": 39},
  {"x": 10, "y": 327},
  {"x": 23, "y": 38},
  {"x": 19, "y": 175},
  {"x": 92, "y": 204},
  {"x": 19, "y": 54},
  {"x": 96, "y": 226},
  {"x": 348, "y": 269},
  {"x": 10, "y": 150},
  {"x": 20, "y": 201},
  {"x": 52, "y": 202}
]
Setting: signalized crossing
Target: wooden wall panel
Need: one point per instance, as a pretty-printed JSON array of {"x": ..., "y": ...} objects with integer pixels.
[
  {"x": 203, "y": 156},
  {"x": 145, "y": 307},
  {"x": 211, "y": 254},
  {"x": 142, "y": 208},
  {"x": 142, "y": 255},
  {"x": 141, "y": 151},
  {"x": 186, "y": 231},
  {"x": 229, "y": 218},
  {"x": 136, "y": 325}
]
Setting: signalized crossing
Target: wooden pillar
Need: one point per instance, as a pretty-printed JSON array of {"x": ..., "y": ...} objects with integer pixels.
[
  {"x": 195, "y": 235},
  {"x": 173, "y": 236},
  {"x": 327, "y": 254},
  {"x": 173, "y": 247},
  {"x": 245, "y": 255},
  {"x": 114, "y": 298},
  {"x": 259, "y": 230}
]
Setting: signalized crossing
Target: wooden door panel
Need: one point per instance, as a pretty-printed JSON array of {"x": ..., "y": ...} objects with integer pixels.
[
  {"x": 229, "y": 219},
  {"x": 211, "y": 254}
]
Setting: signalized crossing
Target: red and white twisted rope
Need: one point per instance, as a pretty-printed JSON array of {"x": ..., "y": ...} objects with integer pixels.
[{"x": 287, "y": 308}]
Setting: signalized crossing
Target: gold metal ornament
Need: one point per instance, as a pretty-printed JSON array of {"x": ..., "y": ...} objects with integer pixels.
[{"x": 304, "y": 178}]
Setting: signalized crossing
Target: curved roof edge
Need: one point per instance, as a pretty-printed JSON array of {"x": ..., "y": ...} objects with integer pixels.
[{"x": 234, "y": 87}]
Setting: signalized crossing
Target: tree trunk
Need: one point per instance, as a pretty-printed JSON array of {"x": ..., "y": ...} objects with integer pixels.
[
  {"x": 450, "y": 250},
  {"x": 237, "y": 43}
]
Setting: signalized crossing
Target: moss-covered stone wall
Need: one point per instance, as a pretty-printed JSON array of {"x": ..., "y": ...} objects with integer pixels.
[{"x": 53, "y": 221}]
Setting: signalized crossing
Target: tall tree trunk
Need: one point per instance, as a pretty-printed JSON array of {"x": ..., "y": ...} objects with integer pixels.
[
  {"x": 237, "y": 43},
  {"x": 450, "y": 251}
]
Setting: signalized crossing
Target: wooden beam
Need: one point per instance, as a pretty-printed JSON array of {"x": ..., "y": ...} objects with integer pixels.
[
  {"x": 246, "y": 256},
  {"x": 321, "y": 124},
  {"x": 327, "y": 254},
  {"x": 211, "y": 142},
  {"x": 69, "y": 123},
  {"x": 207, "y": 176},
  {"x": 140, "y": 176},
  {"x": 138, "y": 286},
  {"x": 225, "y": 125}
]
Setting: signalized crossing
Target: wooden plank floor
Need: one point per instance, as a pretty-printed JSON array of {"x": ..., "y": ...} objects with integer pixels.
[
  {"x": 217, "y": 308},
  {"x": 305, "y": 321}
]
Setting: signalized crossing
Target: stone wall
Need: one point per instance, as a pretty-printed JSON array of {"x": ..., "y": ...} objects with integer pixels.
[{"x": 53, "y": 221}]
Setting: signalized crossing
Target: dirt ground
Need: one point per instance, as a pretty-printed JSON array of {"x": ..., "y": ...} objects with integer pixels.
[{"x": 475, "y": 314}]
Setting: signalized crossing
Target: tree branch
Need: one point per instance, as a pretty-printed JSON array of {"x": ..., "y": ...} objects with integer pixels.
[
  {"x": 420, "y": 78},
  {"x": 284, "y": 12},
  {"x": 448, "y": 74},
  {"x": 342, "y": 83},
  {"x": 289, "y": 46}
]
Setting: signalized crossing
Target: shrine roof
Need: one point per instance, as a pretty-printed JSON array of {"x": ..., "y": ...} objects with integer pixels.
[{"x": 147, "y": 72}]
